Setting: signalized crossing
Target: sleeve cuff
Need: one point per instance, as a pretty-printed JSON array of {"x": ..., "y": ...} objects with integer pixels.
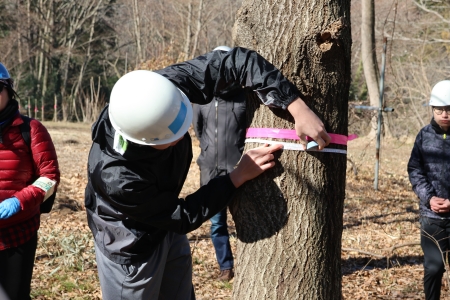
[
  {"x": 230, "y": 183},
  {"x": 289, "y": 101}
]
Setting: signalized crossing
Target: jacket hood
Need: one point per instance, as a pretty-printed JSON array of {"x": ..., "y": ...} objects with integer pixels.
[{"x": 103, "y": 134}]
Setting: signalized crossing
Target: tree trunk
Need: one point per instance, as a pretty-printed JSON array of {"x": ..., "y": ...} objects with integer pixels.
[
  {"x": 55, "y": 109},
  {"x": 198, "y": 29},
  {"x": 137, "y": 32},
  {"x": 289, "y": 219},
  {"x": 35, "y": 109},
  {"x": 29, "y": 108},
  {"x": 187, "y": 42},
  {"x": 369, "y": 58}
]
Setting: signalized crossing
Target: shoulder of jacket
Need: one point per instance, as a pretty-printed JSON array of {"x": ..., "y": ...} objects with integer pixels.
[
  {"x": 37, "y": 125},
  {"x": 429, "y": 129},
  {"x": 39, "y": 135}
]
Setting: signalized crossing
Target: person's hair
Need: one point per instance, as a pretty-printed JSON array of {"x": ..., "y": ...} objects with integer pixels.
[{"x": 9, "y": 84}]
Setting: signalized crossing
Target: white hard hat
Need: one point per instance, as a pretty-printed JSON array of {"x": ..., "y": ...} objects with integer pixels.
[
  {"x": 223, "y": 48},
  {"x": 440, "y": 94},
  {"x": 147, "y": 109}
]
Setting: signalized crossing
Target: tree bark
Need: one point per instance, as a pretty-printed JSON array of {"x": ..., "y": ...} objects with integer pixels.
[{"x": 289, "y": 219}]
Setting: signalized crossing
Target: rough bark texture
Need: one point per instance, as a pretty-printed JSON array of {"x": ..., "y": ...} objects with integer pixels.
[{"x": 289, "y": 220}]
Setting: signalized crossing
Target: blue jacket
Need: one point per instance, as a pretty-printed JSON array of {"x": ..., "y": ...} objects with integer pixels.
[{"x": 429, "y": 167}]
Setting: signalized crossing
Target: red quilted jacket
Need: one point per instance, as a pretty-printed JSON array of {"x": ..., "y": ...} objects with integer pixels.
[{"x": 19, "y": 168}]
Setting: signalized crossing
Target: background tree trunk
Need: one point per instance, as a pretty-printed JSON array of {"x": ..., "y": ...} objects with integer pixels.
[
  {"x": 369, "y": 59},
  {"x": 187, "y": 43},
  {"x": 137, "y": 32},
  {"x": 289, "y": 220},
  {"x": 368, "y": 51},
  {"x": 200, "y": 25}
]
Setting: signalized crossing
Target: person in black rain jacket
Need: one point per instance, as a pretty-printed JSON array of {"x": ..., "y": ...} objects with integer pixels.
[
  {"x": 140, "y": 158},
  {"x": 220, "y": 127}
]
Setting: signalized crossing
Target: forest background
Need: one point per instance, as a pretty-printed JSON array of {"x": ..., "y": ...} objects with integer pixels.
[{"x": 65, "y": 56}]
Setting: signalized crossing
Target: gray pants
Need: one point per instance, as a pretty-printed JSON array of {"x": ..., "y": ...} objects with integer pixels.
[{"x": 167, "y": 274}]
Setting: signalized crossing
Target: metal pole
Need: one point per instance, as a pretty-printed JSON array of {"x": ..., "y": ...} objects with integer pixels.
[
  {"x": 386, "y": 109},
  {"x": 380, "y": 114}
]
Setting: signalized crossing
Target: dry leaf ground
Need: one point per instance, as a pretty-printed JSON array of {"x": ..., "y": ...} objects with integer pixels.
[{"x": 374, "y": 221}]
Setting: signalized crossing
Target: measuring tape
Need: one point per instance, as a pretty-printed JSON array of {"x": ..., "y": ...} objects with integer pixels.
[
  {"x": 291, "y": 134},
  {"x": 294, "y": 146}
]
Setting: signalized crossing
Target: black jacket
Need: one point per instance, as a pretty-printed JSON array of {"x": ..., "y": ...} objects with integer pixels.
[
  {"x": 429, "y": 167},
  {"x": 132, "y": 199},
  {"x": 220, "y": 126}
]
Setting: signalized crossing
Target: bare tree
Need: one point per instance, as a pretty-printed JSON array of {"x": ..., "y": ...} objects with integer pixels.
[
  {"x": 137, "y": 31},
  {"x": 199, "y": 27},
  {"x": 187, "y": 42},
  {"x": 369, "y": 56},
  {"x": 419, "y": 55},
  {"x": 289, "y": 220},
  {"x": 53, "y": 47}
]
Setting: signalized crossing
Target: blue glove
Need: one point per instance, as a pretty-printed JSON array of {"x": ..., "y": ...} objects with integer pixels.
[{"x": 9, "y": 207}]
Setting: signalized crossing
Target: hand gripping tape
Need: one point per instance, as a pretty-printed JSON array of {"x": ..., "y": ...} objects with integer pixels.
[{"x": 253, "y": 133}]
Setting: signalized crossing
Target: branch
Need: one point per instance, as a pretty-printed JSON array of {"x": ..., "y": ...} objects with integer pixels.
[
  {"x": 355, "y": 170},
  {"x": 363, "y": 252},
  {"x": 403, "y": 38},
  {"x": 388, "y": 251},
  {"x": 114, "y": 67},
  {"x": 424, "y": 8}
]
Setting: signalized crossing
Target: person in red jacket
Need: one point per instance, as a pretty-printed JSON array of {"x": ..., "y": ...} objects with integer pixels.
[{"x": 29, "y": 174}]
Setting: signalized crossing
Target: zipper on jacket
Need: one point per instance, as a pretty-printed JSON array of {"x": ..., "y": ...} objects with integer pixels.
[
  {"x": 215, "y": 136},
  {"x": 444, "y": 136}
]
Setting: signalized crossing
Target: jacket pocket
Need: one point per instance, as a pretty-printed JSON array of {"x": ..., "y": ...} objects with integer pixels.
[{"x": 130, "y": 270}]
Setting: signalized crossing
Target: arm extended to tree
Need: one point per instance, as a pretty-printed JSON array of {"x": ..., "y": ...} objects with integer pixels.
[{"x": 219, "y": 73}]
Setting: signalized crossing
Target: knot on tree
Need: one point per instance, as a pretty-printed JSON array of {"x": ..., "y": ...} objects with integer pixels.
[{"x": 330, "y": 36}]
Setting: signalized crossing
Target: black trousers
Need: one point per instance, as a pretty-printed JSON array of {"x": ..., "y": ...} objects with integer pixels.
[
  {"x": 434, "y": 239},
  {"x": 16, "y": 270}
]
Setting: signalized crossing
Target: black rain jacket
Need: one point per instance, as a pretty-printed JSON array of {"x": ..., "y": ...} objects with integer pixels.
[
  {"x": 220, "y": 127},
  {"x": 132, "y": 199},
  {"x": 429, "y": 167}
]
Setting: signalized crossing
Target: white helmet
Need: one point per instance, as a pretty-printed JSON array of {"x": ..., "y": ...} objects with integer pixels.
[
  {"x": 147, "y": 109},
  {"x": 222, "y": 48},
  {"x": 440, "y": 94}
]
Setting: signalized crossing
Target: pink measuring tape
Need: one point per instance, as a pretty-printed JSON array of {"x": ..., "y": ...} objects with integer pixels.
[{"x": 292, "y": 135}]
